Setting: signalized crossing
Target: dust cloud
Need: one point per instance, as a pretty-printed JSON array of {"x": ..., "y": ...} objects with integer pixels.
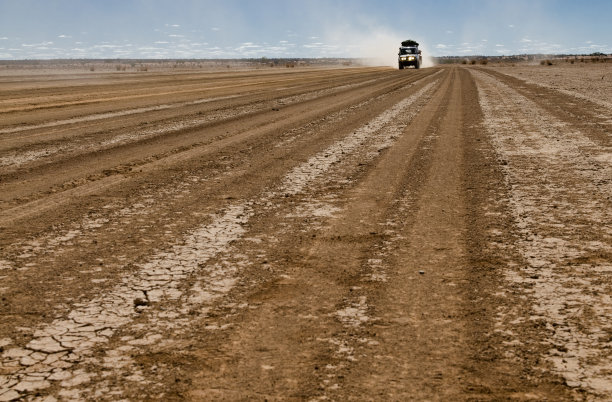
[{"x": 376, "y": 46}]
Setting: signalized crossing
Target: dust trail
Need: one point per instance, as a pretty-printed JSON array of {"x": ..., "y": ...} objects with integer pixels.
[{"x": 376, "y": 46}]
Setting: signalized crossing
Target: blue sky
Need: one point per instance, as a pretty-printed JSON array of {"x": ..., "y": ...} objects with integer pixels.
[{"x": 42, "y": 29}]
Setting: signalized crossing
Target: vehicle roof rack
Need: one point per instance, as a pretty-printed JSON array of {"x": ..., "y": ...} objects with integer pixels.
[{"x": 410, "y": 42}]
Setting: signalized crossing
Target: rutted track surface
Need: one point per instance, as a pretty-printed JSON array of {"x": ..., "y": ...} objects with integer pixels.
[{"x": 325, "y": 234}]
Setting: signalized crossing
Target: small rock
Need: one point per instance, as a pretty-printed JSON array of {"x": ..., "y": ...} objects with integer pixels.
[
  {"x": 140, "y": 302},
  {"x": 422, "y": 272}
]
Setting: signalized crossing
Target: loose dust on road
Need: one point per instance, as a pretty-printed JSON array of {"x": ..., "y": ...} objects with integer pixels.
[{"x": 309, "y": 234}]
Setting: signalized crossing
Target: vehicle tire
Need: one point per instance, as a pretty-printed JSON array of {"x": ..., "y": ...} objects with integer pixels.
[
  {"x": 417, "y": 65},
  {"x": 401, "y": 66}
]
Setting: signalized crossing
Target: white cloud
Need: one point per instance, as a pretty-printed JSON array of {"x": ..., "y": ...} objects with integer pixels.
[
  {"x": 525, "y": 40},
  {"x": 176, "y": 36},
  {"x": 498, "y": 45},
  {"x": 215, "y": 29},
  {"x": 449, "y": 32},
  {"x": 441, "y": 46},
  {"x": 511, "y": 26},
  {"x": 321, "y": 47},
  {"x": 36, "y": 44},
  {"x": 64, "y": 36},
  {"x": 4, "y": 38},
  {"x": 106, "y": 46},
  {"x": 161, "y": 42},
  {"x": 175, "y": 26}
]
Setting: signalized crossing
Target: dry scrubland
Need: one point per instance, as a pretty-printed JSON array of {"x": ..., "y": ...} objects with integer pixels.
[
  {"x": 91, "y": 67},
  {"x": 309, "y": 233}
]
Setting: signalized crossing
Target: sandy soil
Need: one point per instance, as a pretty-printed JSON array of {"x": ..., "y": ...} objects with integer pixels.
[
  {"x": 586, "y": 81},
  {"x": 317, "y": 234}
]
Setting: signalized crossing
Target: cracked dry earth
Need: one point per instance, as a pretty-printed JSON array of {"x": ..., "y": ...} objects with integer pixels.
[{"x": 314, "y": 234}]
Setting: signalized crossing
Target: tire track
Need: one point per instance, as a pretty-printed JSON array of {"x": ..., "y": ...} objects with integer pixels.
[
  {"x": 70, "y": 340},
  {"x": 110, "y": 115},
  {"x": 398, "y": 341},
  {"x": 173, "y": 148},
  {"x": 560, "y": 205},
  {"x": 117, "y": 96},
  {"x": 145, "y": 204},
  {"x": 296, "y": 88},
  {"x": 128, "y": 222},
  {"x": 46, "y": 143},
  {"x": 591, "y": 117},
  {"x": 72, "y": 146}
]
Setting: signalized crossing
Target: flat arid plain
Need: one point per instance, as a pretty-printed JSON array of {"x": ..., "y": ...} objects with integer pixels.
[{"x": 307, "y": 233}]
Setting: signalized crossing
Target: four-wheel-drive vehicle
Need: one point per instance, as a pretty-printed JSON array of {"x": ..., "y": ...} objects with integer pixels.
[{"x": 409, "y": 55}]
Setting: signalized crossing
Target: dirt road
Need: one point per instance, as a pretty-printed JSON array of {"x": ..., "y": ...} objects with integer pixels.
[{"x": 336, "y": 234}]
